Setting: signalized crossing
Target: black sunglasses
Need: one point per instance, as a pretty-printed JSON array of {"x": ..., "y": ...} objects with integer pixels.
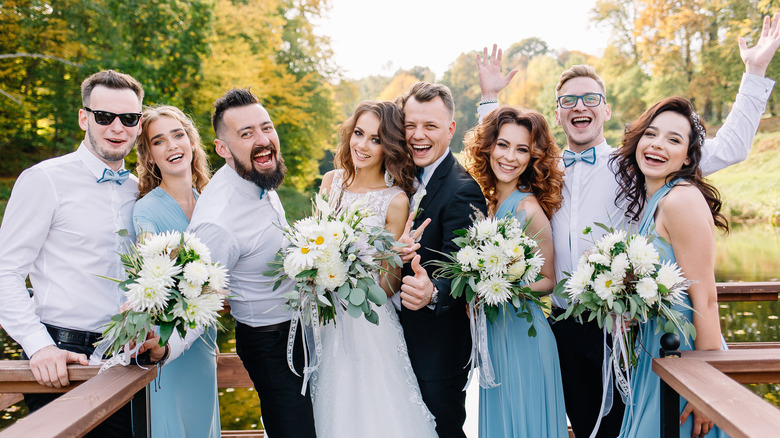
[{"x": 106, "y": 118}]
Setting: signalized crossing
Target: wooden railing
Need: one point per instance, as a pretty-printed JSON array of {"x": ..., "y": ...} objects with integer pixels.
[
  {"x": 712, "y": 380},
  {"x": 90, "y": 398}
]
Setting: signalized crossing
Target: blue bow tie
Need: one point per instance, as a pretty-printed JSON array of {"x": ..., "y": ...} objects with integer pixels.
[
  {"x": 119, "y": 176},
  {"x": 419, "y": 173},
  {"x": 262, "y": 193},
  {"x": 587, "y": 156}
]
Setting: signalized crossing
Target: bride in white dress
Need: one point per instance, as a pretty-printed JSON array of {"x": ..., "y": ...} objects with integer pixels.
[{"x": 365, "y": 385}]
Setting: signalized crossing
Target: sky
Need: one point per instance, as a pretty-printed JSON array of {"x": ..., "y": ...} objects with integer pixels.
[{"x": 378, "y": 38}]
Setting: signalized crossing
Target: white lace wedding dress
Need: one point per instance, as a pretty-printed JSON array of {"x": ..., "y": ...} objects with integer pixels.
[{"x": 365, "y": 386}]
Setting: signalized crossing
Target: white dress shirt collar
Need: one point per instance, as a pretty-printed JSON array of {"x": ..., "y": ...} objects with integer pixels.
[
  {"x": 431, "y": 168},
  {"x": 94, "y": 164}
]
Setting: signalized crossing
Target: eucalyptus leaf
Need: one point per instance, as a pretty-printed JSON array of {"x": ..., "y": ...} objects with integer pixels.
[{"x": 357, "y": 296}]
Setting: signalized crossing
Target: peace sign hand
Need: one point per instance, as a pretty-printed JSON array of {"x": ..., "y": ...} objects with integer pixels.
[{"x": 411, "y": 239}]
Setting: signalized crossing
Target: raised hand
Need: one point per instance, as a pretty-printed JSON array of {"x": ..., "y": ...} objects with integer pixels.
[
  {"x": 491, "y": 81},
  {"x": 411, "y": 238},
  {"x": 49, "y": 365},
  {"x": 757, "y": 58},
  {"x": 416, "y": 291}
]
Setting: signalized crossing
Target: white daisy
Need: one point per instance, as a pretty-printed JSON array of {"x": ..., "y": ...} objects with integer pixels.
[
  {"x": 579, "y": 281},
  {"x": 606, "y": 286},
  {"x": 468, "y": 257}
]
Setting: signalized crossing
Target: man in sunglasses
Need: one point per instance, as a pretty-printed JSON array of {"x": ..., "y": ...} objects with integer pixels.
[
  {"x": 61, "y": 228},
  {"x": 589, "y": 196}
]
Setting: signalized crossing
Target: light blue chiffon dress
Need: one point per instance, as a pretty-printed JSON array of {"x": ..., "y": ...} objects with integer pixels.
[
  {"x": 529, "y": 399},
  {"x": 186, "y": 403},
  {"x": 643, "y": 418}
]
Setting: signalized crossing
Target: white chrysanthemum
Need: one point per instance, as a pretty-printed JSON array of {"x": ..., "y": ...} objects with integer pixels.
[
  {"x": 190, "y": 290},
  {"x": 606, "y": 286},
  {"x": 218, "y": 278},
  {"x": 201, "y": 311},
  {"x": 647, "y": 290},
  {"x": 535, "y": 264},
  {"x": 643, "y": 255},
  {"x": 583, "y": 260},
  {"x": 153, "y": 245},
  {"x": 512, "y": 248},
  {"x": 669, "y": 275},
  {"x": 196, "y": 272},
  {"x": 173, "y": 240},
  {"x": 608, "y": 242},
  {"x": 147, "y": 295},
  {"x": 494, "y": 261},
  {"x": 579, "y": 281},
  {"x": 192, "y": 243},
  {"x": 516, "y": 270},
  {"x": 620, "y": 265},
  {"x": 161, "y": 268},
  {"x": 597, "y": 258},
  {"x": 484, "y": 230},
  {"x": 468, "y": 257},
  {"x": 331, "y": 273},
  {"x": 494, "y": 290}
]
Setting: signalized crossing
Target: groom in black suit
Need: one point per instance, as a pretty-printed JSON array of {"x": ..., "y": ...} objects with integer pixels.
[{"x": 436, "y": 326}]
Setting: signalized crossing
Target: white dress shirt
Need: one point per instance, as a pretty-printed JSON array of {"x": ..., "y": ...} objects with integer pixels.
[
  {"x": 61, "y": 227},
  {"x": 243, "y": 233},
  {"x": 589, "y": 191}
]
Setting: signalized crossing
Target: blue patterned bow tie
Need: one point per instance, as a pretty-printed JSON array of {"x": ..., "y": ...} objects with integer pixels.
[
  {"x": 118, "y": 176},
  {"x": 587, "y": 156}
]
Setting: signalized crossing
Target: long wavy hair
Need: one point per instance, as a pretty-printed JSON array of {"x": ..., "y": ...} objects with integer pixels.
[
  {"x": 398, "y": 160},
  {"x": 631, "y": 179},
  {"x": 149, "y": 175},
  {"x": 542, "y": 177}
]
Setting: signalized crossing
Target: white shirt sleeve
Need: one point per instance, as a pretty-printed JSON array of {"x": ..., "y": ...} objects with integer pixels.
[
  {"x": 733, "y": 140},
  {"x": 26, "y": 222},
  {"x": 483, "y": 110}
]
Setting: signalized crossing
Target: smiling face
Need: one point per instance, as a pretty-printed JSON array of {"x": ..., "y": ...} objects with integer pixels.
[
  {"x": 250, "y": 145},
  {"x": 365, "y": 146},
  {"x": 429, "y": 129},
  {"x": 663, "y": 148},
  {"x": 583, "y": 125},
  {"x": 171, "y": 148},
  {"x": 510, "y": 155},
  {"x": 111, "y": 143}
]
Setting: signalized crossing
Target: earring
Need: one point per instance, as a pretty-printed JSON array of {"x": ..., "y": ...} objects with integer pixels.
[{"x": 389, "y": 180}]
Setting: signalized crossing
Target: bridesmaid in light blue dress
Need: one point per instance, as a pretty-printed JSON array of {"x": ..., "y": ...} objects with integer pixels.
[
  {"x": 660, "y": 161},
  {"x": 513, "y": 157},
  {"x": 172, "y": 169}
]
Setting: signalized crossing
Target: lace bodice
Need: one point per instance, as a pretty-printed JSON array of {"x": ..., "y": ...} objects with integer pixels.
[{"x": 376, "y": 200}]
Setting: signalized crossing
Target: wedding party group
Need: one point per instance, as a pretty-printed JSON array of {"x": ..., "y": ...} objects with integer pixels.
[{"x": 358, "y": 333}]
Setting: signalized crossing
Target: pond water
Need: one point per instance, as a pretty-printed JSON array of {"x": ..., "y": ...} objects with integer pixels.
[{"x": 748, "y": 254}]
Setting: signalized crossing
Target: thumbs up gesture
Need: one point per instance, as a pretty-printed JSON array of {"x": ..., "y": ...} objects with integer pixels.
[{"x": 416, "y": 290}]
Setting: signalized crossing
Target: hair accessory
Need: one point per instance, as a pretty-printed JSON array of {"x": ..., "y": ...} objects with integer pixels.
[
  {"x": 699, "y": 128},
  {"x": 389, "y": 180}
]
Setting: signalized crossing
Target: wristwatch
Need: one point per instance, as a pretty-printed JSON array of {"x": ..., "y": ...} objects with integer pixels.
[{"x": 434, "y": 296}]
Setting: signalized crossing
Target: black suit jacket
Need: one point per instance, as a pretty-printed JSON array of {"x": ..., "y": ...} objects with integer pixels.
[{"x": 439, "y": 341}]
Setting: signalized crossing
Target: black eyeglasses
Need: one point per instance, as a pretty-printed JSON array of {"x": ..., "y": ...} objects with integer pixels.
[
  {"x": 106, "y": 118},
  {"x": 588, "y": 99}
]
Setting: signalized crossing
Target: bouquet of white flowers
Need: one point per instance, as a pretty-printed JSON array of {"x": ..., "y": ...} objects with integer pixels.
[
  {"x": 172, "y": 283},
  {"x": 334, "y": 258},
  {"x": 495, "y": 263},
  {"x": 619, "y": 283}
]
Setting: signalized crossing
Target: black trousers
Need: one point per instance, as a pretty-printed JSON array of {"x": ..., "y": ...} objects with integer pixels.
[
  {"x": 581, "y": 351},
  {"x": 446, "y": 400},
  {"x": 286, "y": 413},
  {"x": 118, "y": 425}
]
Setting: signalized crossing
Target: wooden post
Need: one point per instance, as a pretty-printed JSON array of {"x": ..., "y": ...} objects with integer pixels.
[{"x": 670, "y": 400}]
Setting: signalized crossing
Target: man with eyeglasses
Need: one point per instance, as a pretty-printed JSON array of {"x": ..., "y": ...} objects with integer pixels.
[
  {"x": 589, "y": 197},
  {"x": 61, "y": 227}
]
